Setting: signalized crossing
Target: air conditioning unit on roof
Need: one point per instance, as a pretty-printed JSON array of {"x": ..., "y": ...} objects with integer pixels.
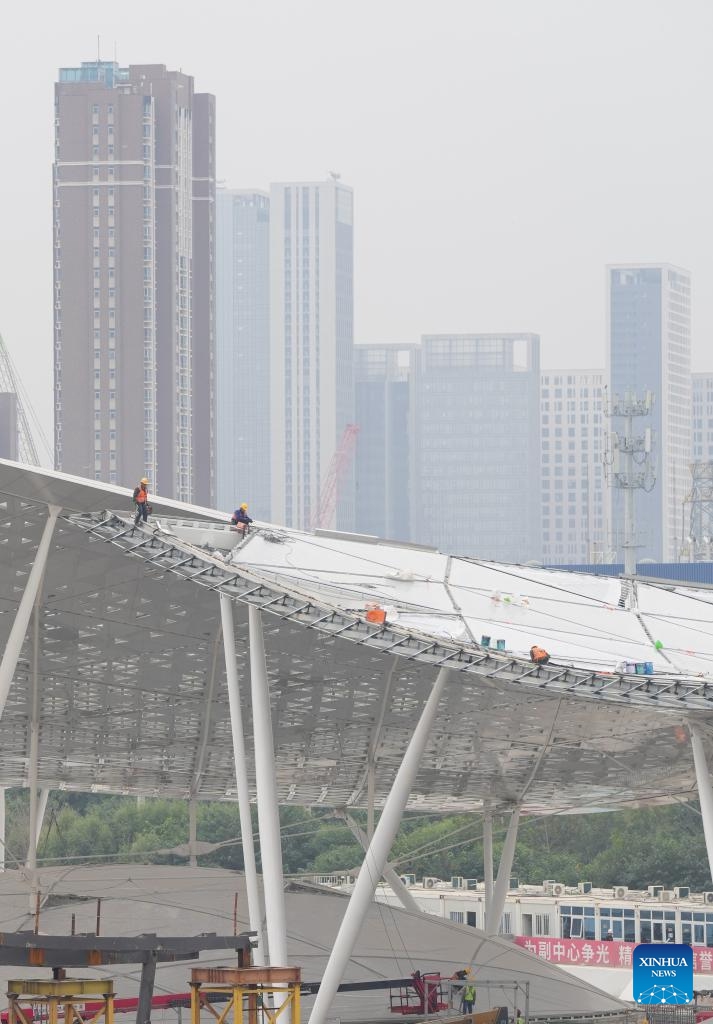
[
  {"x": 429, "y": 883},
  {"x": 620, "y": 892},
  {"x": 708, "y": 897},
  {"x": 558, "y": 888},
  {"x": 655, "y": 891},
  {"x": 682, "y": 892},
  {"x": 408, "y": 879},
  {"x": 456, "y": 882},
  {"x": 584, "y": 887},
  {"x": 470, "y": 883}
]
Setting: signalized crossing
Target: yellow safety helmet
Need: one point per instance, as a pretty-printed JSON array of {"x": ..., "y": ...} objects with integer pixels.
[
  {"x": 244, "y": 507},
  {"x": 144, "y": 480}
]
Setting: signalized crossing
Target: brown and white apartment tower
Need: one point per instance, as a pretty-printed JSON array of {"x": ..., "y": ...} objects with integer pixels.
[{"x": 134, "y": 254}]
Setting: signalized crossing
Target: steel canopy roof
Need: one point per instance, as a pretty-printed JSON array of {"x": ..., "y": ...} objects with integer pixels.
[{"x": 132, "y": 683}]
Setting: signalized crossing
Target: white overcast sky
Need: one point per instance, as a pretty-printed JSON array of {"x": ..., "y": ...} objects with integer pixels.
[{"x": 501, "y": 152}]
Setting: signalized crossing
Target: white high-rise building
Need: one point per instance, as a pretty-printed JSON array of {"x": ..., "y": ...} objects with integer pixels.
[
  {"x": 574, "y": 495},
  {"x": 242, "y": 385},
  {"x": 702, "y": 450},
  {"x": 649, "y": 321},
  {"x": 311, "y": 343}
]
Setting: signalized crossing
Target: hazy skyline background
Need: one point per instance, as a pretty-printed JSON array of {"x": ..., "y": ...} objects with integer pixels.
[{"x": 500, "y": 155}]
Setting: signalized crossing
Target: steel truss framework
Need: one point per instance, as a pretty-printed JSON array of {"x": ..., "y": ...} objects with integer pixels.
[{"x": 113, "y": 678}]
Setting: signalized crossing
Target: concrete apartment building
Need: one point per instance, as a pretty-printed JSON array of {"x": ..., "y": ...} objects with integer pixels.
[
  {"x": 476, "y": 444},
  {"x": 311, "y": 343},
  {"x": 134, "y": 253},
  {"x": 243, "y": 429},
  {"x": 383, "y": 383},
  {"x": 649, "y": 347},
  {"x": 575, "y": 497}
]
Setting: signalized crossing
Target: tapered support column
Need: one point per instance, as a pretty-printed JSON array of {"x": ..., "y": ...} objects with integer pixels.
[
  {"x": 502, "y": 884},
  {"x": 241, "y": 779},
  {"x": 3, "y": 858},
  {"x": 398, "y": 888},
  {"x": 705, "y": 793},
  {"x": 376, "y": 856},
  {"x": 267, "y": 809},
  {"x": 22, "y": 616},
  {"x": 192, "y": 832},
  {"x": 488, "y": 859}
]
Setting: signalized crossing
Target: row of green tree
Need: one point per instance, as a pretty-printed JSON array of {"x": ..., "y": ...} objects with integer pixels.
[{"x": 662, "y": 845}]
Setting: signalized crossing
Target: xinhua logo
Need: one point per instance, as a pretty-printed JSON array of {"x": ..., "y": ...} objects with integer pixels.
[{"x": 663, "y": 973}]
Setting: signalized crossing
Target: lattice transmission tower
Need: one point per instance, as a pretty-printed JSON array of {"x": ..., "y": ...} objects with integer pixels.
[
  {"x": 10, "y": 384},
  {"x": 698, "y": 546}
]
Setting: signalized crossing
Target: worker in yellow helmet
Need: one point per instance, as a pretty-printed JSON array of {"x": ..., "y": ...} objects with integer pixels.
[{"x": 241, "y": 519}]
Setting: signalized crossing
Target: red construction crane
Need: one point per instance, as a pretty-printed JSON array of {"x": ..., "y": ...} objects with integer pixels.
[{"x": 340, "y": 462}]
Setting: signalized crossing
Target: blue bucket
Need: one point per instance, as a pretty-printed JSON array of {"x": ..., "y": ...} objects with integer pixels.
[
  {"x": 500, "y": 645},
  {"x": 648, "y": 668},
  {"x": 485, "y": 641},
  {"x": 640, "y": 668}
]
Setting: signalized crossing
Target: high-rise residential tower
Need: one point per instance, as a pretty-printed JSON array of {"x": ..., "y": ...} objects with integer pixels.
[
  {"x": 702, "y": 438},
  {"x": 312, "y": 331},
  {"x": 383, "y": 385},
  {"x": 575, "y": 503},
  {"x": 476, "y": 444},
  {"x": 134, "y": 247},
  {"x": 649, "y": 348},
  {"x": 243, "y": 350}
]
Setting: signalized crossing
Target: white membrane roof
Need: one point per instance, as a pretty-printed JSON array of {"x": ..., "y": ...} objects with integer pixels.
[{"x": 131, "y": 682}]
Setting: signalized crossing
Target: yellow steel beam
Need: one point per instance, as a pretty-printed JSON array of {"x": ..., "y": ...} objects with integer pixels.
[{"x": 65, "y": 989}]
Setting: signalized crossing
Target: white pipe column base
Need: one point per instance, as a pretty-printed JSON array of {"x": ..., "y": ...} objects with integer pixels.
[
  {"x": 241, "y": 780},
  {"x": 705, "y": 793},
  {"x": 488, "y": 859},
  {"x": 266, "y": 786},
  {"x": 502, "y": 884},
  {"x": 376, "y": 856}
]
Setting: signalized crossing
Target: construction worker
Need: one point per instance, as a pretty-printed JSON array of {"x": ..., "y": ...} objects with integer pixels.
[
  {"x": 468, "y": 997},
  {"x": 539, "y": 655},
  {"x": 141, "y": 500},
  {"x": 241, "y": 519}
]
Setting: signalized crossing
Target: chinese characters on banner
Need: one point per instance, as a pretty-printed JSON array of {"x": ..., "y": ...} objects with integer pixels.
[{"x": 593, "y": 953}]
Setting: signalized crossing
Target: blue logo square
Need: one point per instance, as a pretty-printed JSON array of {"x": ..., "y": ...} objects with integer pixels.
[{"x": 663, "y": 973}]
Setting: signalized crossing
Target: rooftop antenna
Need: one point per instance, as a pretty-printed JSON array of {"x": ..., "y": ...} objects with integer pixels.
[{"x": 334, "y": 175}]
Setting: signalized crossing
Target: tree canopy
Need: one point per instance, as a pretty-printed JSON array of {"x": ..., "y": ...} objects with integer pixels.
[{"x": 662, "y": 845}]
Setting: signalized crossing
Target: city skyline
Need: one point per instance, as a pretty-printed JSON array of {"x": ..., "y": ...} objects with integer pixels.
[{"x": 533, "y": 179}]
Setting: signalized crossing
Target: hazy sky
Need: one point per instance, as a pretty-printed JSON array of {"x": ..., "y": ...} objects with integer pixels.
[{"x": 501, "y": 152}]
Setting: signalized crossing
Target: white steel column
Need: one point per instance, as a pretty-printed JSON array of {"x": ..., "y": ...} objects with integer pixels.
[
  {"x": 376, "y": 856},
  {"x": 502, "y": 884},
  {"x": 3, "y": 858},
  {"x": 192, "y": 831},
  {"x": 22, "y": 616},
  {"x": 267, "y": 810},
  {"x": 705, "y": 793},
  {"x": 488, "y": 859},
  {"x": 241, "y": 779},
  {"x": 399, "y": 889}
]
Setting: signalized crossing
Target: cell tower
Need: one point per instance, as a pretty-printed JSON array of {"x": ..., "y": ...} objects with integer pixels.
[
  {"x": 10, "y": 384},
  {"x": 629, "y": 459},
  {"x": 699, "y": 545}
]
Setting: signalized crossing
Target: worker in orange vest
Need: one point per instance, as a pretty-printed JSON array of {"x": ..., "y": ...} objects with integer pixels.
[
  {"x": 141, "y": 500},
  {"x": 539, "y": 655}
]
